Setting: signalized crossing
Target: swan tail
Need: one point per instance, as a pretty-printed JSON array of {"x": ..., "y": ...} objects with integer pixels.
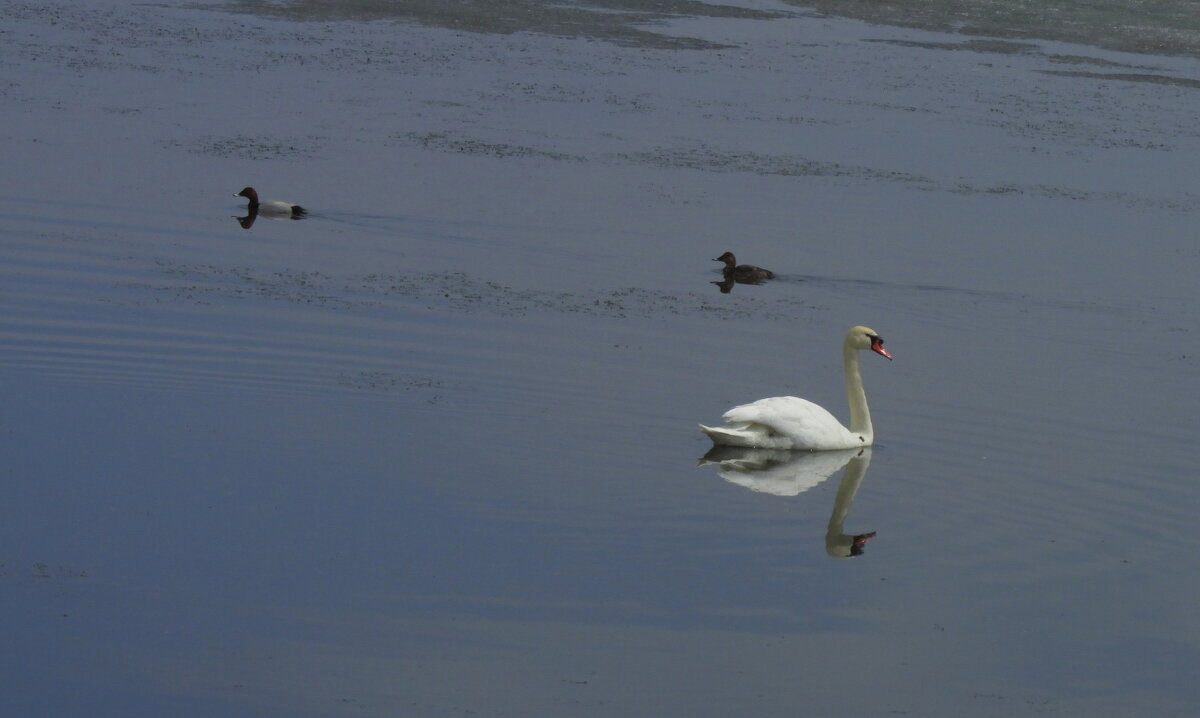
[{"x": 735, "y": 435}]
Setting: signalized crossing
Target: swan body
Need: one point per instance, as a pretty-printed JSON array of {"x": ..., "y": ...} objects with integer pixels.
[
  {"x": 789, "y": 422},
  {"x": 274, "y": 207},
  {"x": 784, "y": 422},
  {"x": 744, "y": 273}
]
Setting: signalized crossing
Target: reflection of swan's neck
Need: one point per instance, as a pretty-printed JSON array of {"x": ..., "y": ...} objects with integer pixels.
[
  {"x": 837, "y": 543},
  {"x": 860, "y": 415},
  {"x": 852, "y": 477}
]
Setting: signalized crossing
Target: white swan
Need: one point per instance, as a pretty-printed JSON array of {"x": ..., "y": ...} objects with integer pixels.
[{"x": 788, "y": 422}]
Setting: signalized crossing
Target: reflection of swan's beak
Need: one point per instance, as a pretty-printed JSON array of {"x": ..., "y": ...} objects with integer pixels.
[
  {"x": 861, "y": 539},
  {"x": 856, "y": 547}
]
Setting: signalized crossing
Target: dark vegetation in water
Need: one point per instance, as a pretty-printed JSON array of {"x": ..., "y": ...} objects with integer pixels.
[
  {"x": 1129, "y": 77},
  {"x": 616, "y": 21},
  {"x": 447, "y": 291},
  {"x": 1003, "y": 47},
  {"x": 703, "y": 157},
  {"x": 1165, "y": 27},
  {"x": 250, "y": 147}
]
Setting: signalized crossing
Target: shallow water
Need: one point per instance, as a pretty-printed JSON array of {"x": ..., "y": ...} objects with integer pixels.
[{"x": 433, "y": 449}]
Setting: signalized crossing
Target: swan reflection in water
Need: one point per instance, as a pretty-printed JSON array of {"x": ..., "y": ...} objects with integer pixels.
[{"x": 790, "y": 473}]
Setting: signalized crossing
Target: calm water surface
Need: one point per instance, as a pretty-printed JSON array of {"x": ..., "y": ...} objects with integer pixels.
[{"x": 433, "y": 449}]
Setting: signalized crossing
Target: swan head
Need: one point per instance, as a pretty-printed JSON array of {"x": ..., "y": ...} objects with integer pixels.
[{"x": 861, "y": 338}]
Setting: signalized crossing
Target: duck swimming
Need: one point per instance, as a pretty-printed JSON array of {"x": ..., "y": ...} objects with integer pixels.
[
  {"x": 744, "y": 273},
  {"x": 271, "y": 208}
]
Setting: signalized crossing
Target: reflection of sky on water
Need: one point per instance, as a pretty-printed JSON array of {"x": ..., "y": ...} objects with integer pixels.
[{"x": 429, "y": 450}]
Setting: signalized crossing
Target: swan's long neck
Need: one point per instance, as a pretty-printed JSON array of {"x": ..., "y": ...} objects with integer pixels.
[{"x": 860, "y": 415}]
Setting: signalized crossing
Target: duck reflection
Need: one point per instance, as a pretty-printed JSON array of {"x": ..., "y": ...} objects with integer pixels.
[
  {"x": 253, "y": 214},
  {"x": 791, "y": 473},
  {"x": 725, "y": 285},
  {"x": 270, "y": 210},
  {"x": 248, "y": 221}
]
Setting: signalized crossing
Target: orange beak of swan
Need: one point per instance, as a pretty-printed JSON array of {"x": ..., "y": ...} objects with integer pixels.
[{"x": 877, "y": 347}]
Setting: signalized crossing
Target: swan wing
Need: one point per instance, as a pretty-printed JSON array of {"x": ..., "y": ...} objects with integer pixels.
[{"x": 803, "y": 424}]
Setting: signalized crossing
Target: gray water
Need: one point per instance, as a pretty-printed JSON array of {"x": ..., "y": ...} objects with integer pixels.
[{"x": 433, "y": 450}]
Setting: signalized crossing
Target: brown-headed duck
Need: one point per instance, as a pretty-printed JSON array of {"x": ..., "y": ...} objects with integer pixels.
[{"x": 271, "y": 208}]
